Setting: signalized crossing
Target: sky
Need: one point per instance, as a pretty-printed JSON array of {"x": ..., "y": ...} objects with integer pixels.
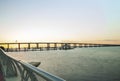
[{"x": 59, "y": 20}]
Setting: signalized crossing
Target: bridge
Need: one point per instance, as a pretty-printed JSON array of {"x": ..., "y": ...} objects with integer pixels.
[
  {"x": 12, "y": 69},
  {"x": 35, "y": 46}
]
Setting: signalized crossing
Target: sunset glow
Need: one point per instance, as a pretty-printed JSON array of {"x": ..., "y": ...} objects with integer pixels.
[{"x": 59, "y": 20}]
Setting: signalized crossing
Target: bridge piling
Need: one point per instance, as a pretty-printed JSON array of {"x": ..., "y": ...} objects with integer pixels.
[
  {"x": 55, "y": 46},
  {"x": 19, "y": 46},
  {"x": 28, "y": 45},
  {"x": 48, "y": 46},
  {"x": 37, "y": 45}
]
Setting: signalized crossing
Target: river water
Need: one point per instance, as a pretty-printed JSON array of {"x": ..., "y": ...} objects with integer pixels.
[{"x": 80, "y": 64}]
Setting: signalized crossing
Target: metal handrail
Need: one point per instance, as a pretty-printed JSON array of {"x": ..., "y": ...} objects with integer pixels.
[{"x": 13, "y": 68}]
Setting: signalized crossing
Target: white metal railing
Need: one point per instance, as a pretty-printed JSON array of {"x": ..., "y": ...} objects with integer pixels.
[{"x": 11, "y": 67}]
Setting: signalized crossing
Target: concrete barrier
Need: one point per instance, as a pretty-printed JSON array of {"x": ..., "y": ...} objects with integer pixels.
[{"x": 21, "y": 71}]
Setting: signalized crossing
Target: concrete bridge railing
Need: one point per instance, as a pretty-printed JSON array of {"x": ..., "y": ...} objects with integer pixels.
[{"x": 11, "y": 68}]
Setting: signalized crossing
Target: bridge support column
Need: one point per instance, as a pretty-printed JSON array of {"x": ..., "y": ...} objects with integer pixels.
[
  {"x": 19, "y": 46},
  {"x": 28, "y": 45},
  {"x": 48, "y": 46},
  {"x": 55, "y": 46},
  {"x": 80, "y": 45},
  {"x": 74, "y": 45},
  {"x": 37, "y": 45}
]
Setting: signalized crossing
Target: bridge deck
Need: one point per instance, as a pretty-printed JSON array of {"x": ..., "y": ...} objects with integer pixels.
[{"x": 32, "y": 46}]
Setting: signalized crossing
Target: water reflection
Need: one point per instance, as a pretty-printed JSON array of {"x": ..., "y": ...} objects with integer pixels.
[{"x": 84, "y": 64}]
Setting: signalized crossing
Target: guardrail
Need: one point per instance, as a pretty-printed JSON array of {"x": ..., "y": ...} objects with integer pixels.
[{"x": 11, "y": 67}]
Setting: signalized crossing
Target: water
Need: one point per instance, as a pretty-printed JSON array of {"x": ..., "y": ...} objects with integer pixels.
[{"x": 80, "y": 64}]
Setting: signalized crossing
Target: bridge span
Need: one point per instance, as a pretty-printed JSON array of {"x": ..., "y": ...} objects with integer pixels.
[{"x": 35, "y": 46}]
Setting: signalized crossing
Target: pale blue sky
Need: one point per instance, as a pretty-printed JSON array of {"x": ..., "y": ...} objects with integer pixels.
[{"x": 57, "y": 20}]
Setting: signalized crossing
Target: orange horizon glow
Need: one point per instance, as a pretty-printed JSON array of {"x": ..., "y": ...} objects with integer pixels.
[{"x": 57, "y": 21}]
